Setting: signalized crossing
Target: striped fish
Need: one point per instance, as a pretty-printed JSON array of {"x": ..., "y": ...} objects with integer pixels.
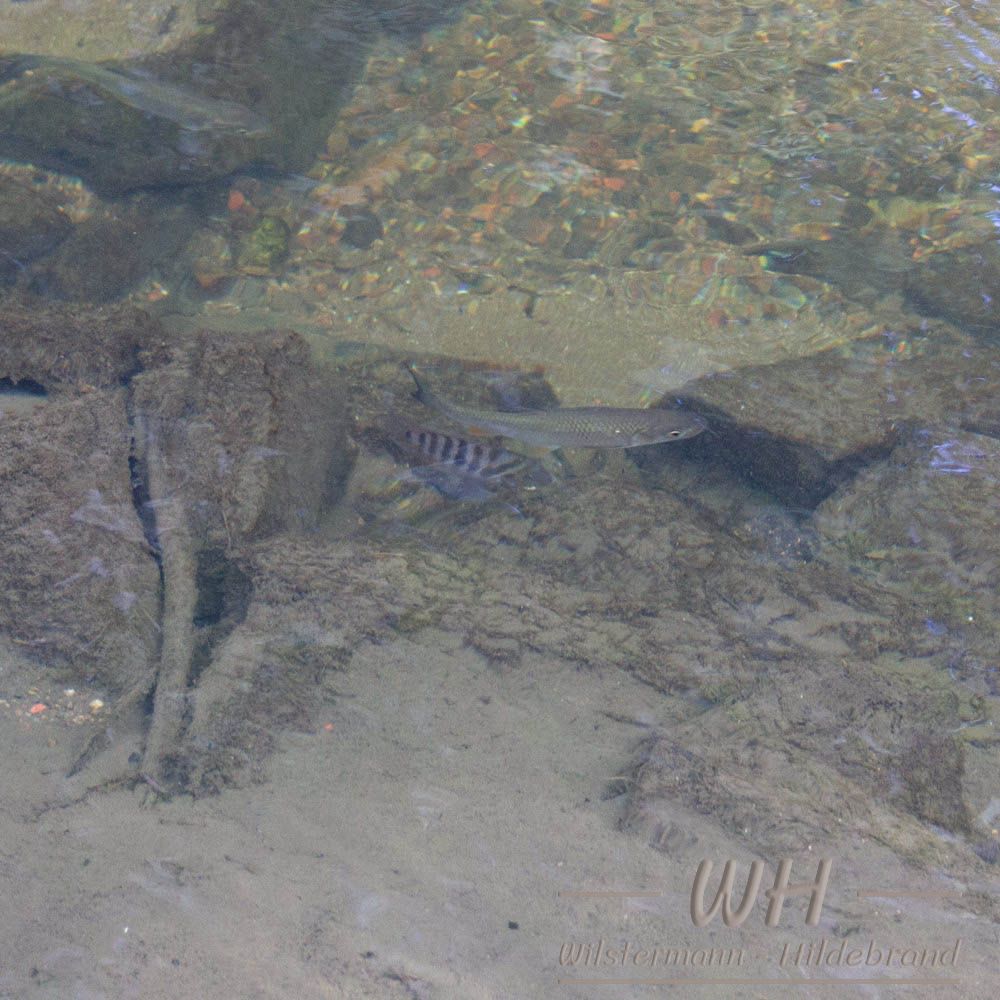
[
  {"x": 461, "y": 469},
  {"x": 483, "y": 459}
]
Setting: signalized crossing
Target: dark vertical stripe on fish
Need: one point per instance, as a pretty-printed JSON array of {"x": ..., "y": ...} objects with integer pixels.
[{"x": 487, "y": 462}]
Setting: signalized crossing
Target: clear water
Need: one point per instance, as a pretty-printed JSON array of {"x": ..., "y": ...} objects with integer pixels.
[{"x": 307, "y": 690}]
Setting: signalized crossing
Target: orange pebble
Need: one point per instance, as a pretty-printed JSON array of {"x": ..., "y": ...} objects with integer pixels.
[
  {"x": 484, "y": 149},
  {"x": 237, "y": 201},
  {"x": 483, "y": 212},
  {"x": 613, "y": 183},
  {"x": 38, "y": 708}
]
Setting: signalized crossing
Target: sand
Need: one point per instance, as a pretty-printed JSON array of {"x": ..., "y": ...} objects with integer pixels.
[{"x": 418, "y": 843}]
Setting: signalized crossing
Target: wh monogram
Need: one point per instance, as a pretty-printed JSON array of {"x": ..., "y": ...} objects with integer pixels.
[{"x": 776, "y": 894}]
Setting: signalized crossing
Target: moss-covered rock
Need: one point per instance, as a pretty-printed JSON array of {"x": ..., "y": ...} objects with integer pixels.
[
  {"x": 932, "y": 770},
  {"x": 265, "y": 247}
]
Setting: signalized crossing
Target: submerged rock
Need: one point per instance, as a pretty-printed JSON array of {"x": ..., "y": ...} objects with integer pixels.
[
  {"x": 69, "y": 349},
  {"x": 926, "y": 520},
  {"x": 962, "y": 285},
  {"x": 31, "y": 224},
  {"x": 128, "y": 495},
  {"x": 67, "y": 115},
  {"x": 81, "y": 587},
  {"x": 257, "y": 429},
  {"x": 797, "y": 695},
  {"x": 109, "y": 253},
  {"x": 254, "y": 83},
  {"x": 932, "y": 770},
  {"x": 801, "y": 428}
]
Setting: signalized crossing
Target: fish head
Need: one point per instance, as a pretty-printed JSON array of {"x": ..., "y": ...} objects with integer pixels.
[{"x": 670, "y": 425}]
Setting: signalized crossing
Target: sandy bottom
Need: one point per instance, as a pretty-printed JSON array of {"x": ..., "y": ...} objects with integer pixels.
[
  {"x": 97, "y": 29},
  {"x": 420, "y": 843}
]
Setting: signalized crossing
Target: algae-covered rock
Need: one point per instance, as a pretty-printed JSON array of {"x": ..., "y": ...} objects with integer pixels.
[
  {"x": 932, "y": 770},
  {"x": 79, "y": 574},
  {"x": 265, "y": 247},
  {"x": 80, "y": 582},
  {"x": 814, "y": 745},
  {"x": 129, "y": 491},
  {"x": 801, "y": 428},
  {"x": 926, "y": 521},
  {"x": 254, "y": 431},
  {"x": 69, "y": 348},
  {"x": 236, "y": 439}
]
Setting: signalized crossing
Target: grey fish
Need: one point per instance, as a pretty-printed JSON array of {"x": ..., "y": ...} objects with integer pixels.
[
  {"x": 569, "y": 426},
  {"x": 188, "y": 109},
  {"x": 465, "y": 470}
]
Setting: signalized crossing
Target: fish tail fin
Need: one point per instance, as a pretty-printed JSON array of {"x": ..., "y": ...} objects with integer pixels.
[{"x": 423, "y": 393}]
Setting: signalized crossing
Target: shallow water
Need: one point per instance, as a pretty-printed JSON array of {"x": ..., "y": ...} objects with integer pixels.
[{"x": 290, "y": 711}]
